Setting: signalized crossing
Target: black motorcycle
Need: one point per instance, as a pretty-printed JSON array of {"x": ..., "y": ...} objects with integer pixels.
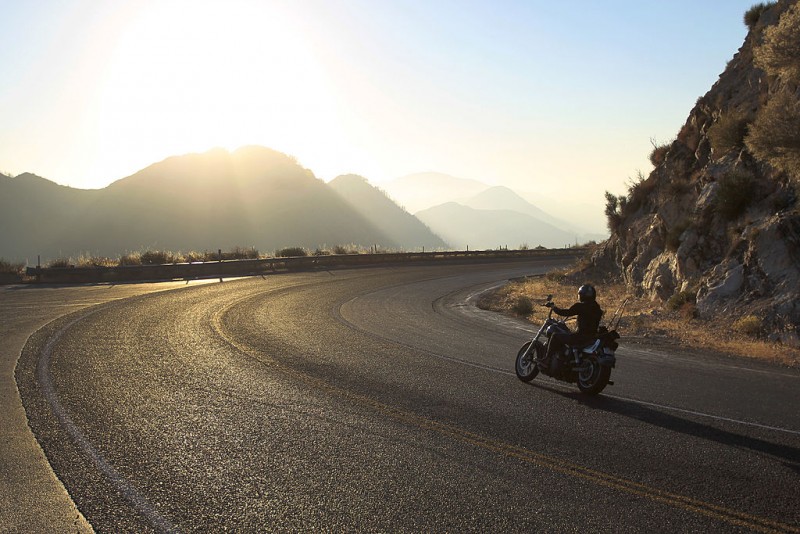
[{"x": 588, "y": 366}]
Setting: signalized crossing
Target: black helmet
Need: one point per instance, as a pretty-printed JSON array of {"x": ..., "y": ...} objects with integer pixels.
[{"x": 586, "y": 293}]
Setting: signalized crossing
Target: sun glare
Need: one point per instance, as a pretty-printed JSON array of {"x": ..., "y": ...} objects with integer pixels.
[{"x": 188, "y": 76}]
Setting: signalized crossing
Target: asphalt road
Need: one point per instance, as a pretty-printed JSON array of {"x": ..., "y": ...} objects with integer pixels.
[{"x": 381, "y": 400}]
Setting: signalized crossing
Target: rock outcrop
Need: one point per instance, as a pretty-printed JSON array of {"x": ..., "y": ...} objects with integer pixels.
[{"x": 717, "y": 221}]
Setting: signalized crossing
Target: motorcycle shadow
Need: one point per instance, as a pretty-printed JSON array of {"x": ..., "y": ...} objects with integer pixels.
[{"x": 788, "y": 455}]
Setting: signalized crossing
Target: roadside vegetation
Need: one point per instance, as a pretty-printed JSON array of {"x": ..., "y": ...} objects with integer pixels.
[
  {"x": 10, "y": 268},
  {"x": 164, "y": 257},
  {"x": 643, "y": 321}
]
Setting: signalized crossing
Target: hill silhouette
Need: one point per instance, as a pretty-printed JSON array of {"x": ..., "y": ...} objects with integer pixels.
[
  {"x": 380, "y": 211},
  {"x": 254, "y": 196}
]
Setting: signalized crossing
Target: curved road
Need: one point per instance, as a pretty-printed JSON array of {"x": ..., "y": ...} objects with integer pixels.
[{"x": 381, "y": 400}]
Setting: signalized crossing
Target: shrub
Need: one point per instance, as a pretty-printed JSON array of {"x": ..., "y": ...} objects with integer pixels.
[
  {"x": 779, "y": 53},
  {"x": 752, "y": 15},
  {"x": 748, "y": 325},
  {"x": 10, "y": 268},
  {"x": 774, "y": 136},
  {"x": 639, "y": 189},
  {"x": 734, "y": 193},
  {"x": 156, "y": 257},
  {"x": 241, "y": 253},
  {"x": 614, "y": 208},
  {"x": 342, "y": 249},
  {"x": 289, "y": 252},
  {"x": 523, "y": 306},
  {"x": 680, "y": 299},
  {"x": 59, "y": 263},
  {"x": 728, "y": 132},
  {"x": 659, "y": 153}
]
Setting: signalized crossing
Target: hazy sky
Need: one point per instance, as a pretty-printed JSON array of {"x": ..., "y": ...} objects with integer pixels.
[{"x": 563, "y": 96}]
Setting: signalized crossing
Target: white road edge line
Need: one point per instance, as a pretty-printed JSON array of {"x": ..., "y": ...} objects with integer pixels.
[{"x": 126, "y": 489}]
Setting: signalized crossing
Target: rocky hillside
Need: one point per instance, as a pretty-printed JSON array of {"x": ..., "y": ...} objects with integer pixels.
[{"x": 716, "y": 225}]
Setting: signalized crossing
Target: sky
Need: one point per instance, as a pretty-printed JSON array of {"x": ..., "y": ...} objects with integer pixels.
[{"x": 561, "y": 98}]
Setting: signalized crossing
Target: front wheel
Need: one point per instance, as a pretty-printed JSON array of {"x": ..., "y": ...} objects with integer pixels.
[
  {"x": 593, "y": 377},
  {"x": 526, "y": 362}
]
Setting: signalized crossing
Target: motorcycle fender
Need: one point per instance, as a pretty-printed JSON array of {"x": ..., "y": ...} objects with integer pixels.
[{"x": 607, "y": 360}]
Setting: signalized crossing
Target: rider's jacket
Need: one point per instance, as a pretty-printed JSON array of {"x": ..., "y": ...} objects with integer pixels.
[{"x": 589, "y": 314}]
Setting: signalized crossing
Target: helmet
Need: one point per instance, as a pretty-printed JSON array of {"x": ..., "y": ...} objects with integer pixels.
[{"x": 586, "y": 293}]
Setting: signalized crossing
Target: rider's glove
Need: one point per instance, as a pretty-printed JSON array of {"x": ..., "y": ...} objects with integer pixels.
[{"x": 549, "y": 304}]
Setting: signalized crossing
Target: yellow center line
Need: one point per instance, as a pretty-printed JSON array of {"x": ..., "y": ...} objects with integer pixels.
[{"x": 721, "y": 513}]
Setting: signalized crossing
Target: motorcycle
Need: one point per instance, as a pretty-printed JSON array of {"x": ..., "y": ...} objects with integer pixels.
[{"x": 587, "y": 366}]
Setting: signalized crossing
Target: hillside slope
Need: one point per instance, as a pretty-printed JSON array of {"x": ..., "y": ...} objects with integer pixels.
[
  {"x": 716, "y": 224},
  {"x": 389, "y": 218}
]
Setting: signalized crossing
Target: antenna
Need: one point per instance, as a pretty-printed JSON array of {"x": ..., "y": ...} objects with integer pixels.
[{"x": 618, "y": 314}]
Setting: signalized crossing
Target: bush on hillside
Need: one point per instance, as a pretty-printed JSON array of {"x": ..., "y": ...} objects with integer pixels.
[
  {"x": 774, "y": 136},
  {"x": 728, "y": 132},
  {"x": 613, "y": 211},
  {"x": 659, "y": 153},
  {"x": 779, "y": 53},
  {"x": 734, "y": 194},
  {"x": 753, "y": 15}
]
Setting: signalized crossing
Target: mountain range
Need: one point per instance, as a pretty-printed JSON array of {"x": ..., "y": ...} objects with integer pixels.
[{"x": 257, "y": 197}]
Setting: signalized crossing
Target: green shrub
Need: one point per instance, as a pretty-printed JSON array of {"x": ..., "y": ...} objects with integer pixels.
[
  {"x": 734, "y": 194},
  {"x": 774, "y": 136},
  {"x": 728, "y": 132},
  {"x": 779, "y": 53},
  {"x": 289, "y": 252},
  {"x": 752, "y": 16}
]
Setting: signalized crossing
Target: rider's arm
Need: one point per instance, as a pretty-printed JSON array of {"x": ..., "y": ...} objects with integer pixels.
[{"x": 569, "y": 312}]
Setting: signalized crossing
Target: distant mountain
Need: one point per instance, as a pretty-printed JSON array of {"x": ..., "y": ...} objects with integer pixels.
[
  {"x": 419, "y": 191},
  {"x": 251, "y": 197},
  {"x": 463, "y": 227},
  {"x": 503, "y": 198},
  {"x": 380, "y": 211}
]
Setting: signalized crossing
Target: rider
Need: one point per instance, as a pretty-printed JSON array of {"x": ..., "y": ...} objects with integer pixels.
[{"x": 589, "y": 314}]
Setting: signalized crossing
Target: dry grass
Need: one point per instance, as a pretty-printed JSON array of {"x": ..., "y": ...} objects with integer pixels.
[{"x": 644, "y": 320}]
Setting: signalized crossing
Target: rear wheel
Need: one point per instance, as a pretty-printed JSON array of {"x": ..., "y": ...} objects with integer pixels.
[
  {"x": 526, "y": 362},
  {"x": 593, "y": 377}
]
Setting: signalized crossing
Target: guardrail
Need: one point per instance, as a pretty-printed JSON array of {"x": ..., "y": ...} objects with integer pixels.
[{"x": 233, "y": 268}]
